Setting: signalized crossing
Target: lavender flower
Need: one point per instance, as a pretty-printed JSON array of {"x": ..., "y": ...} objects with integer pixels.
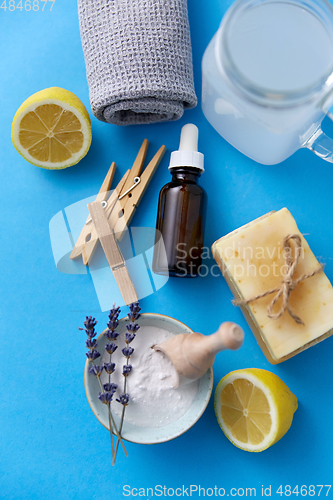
[
  {"x": 91, "y": 343},
  {"x": 135, "y": 309},
  {"x": 123, "y": 399},
  {"x": 132, "y": 327},
  {"x": 111, "y": 348},
  {"x": 90, "y": 323},
  {"x": 127, "y": 370},
  {"x": 96, "y": 370},
  {"x": 109, "y": 367},
  {"x": 111, "y": 335},
  {"x": 114, "y": 313},
  {"x": 110, "y": 388},
  {"x": 129, "y": 337},
  {"x": 92, "y": 355},
  {"x": 127, "y": 351},
  {"x": 106, "y": 397},
  {"x": 112, "y": 324},
  {"x": 91, "y": 333}
]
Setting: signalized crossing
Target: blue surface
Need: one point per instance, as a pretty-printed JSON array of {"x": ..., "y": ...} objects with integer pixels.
[{"x": 52, "y": 447}]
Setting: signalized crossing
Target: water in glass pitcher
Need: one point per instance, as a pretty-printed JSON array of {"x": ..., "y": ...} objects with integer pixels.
[
  {"x": 280, "y": 46},
  {"x": 274, "y": 49}
]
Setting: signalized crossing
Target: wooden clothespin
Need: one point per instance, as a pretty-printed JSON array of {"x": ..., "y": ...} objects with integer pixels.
[
  {"x": 122, "y": 203},
  {"x": 130, "y": 202},
  {"x": 113, "y": 255},
  {"x": 84, "y": 242}
]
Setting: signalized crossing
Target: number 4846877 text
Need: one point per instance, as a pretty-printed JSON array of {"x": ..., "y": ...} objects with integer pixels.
[
  {"x": 311, "y": 491},
  {"x": 34, "y": 5}
]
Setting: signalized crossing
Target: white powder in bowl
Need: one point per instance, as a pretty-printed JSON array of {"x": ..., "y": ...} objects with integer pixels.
[{"x": 153, "y": 401}]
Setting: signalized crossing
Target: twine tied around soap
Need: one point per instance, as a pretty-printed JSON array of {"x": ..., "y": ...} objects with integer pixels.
[{"x": 288, "y": 283}]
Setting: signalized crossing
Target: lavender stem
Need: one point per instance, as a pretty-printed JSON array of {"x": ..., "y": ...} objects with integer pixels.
[
  {"x": 111, "y": 434},
  {"x": 109, "y": 411},
  {"x": 133, "y": 316}
]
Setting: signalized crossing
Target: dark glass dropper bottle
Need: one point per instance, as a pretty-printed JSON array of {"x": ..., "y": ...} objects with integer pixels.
[{"x": 181, "y": 212}]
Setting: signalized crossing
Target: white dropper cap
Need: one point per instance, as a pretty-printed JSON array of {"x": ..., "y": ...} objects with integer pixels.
[{"x": 187, "y": 155}]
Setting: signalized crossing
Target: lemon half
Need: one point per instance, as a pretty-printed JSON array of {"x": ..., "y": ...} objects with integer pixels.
[
  {"x": 52, "y": 129},
  {"x": 254, "y": 408}
]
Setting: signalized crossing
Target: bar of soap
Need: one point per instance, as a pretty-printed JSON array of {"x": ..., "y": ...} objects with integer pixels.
[{"x": 251, "y": 259}]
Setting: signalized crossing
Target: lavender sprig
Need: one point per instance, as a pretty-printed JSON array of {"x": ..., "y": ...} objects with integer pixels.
[
  {"x": 108, "y": 389},
  {"x": 92, "y": 354},
  {"x": 109, "y": 367},
  {"x": 127, "y": 351}
]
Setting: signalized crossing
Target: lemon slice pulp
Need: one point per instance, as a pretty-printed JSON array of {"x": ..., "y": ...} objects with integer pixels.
[
  {"x": 254, "y": 408},
  {"x": 52, "y": 129}
]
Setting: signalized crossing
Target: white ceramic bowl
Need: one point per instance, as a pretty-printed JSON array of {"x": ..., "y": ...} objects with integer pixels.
[{"x": 148, "y": 435}]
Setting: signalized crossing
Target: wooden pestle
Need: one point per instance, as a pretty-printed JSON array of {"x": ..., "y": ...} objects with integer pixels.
[{"x": 193, "y": 353}]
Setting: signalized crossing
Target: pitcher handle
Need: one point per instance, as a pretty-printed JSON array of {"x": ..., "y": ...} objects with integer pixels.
[{"x": 321, "y": 144}]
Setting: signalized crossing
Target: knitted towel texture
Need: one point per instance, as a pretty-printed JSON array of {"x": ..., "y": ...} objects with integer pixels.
[{"x": 138, "y": 59}]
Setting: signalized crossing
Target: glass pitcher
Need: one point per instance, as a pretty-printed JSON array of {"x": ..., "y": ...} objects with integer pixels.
[{"x": 268, "y": 78}]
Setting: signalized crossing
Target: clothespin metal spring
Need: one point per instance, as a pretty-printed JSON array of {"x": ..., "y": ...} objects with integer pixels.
[{"x": 105, "y": 203}]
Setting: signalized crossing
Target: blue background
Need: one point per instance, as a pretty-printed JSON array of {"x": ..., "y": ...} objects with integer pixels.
[{"x": 52, "y": 447}]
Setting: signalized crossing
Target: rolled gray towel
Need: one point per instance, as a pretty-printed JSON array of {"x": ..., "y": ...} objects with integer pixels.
[{"x": 138, "y": 59}]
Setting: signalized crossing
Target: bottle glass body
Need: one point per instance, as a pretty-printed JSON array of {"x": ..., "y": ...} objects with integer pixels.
[{"x": 180, "y": 223}]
